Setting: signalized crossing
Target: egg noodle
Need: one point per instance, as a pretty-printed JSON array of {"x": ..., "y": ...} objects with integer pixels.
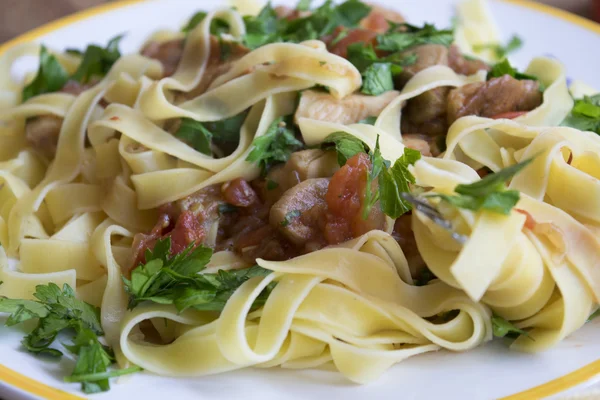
[{"x": 355, "y": 304}]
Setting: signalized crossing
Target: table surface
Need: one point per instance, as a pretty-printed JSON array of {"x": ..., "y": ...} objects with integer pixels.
[{"x": 19, "y": 16}]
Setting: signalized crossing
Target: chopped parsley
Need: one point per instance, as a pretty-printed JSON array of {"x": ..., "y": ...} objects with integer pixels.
[
  {"x": 266, "y": 28},
  {"x": 276, "y": 145},
  {"x": 303, "y": 5},
  {"x": 226, "y": 208},
  {"x": 290, "y": 217},
  {"x": 200, "y": 135},
  {"x": 378, "y": 164},
  {"x": 489, "y": 193},
  {"x": 395, "y": 181},
  {"x": 377, "y": 72},
  {"x": 97, "y": 61},
  {"x": 60, "y": 311},
  {"x": 346, "y": 146},
  {"x": 378, "y": 79},
  {"x": 51, "y": 76},
  {"x": 504, "y": 68},
  {"x": 196, "y": 135},
  {"x": 514, "y": 44},
  {"x": 504, "y": 328},
  {"x": 176, "y": 279},
  {"x": 272, "y": 185},
  {"x": 585, "y": 114},
  {"x": 217, "y": 25},
  {"x": 369, "y": 120},
  {"x": 402, "y": 37},
  {"x": 392, "y": 182}
]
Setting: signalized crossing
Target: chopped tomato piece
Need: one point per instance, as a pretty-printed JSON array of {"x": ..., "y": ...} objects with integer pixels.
[
  {"x": 345, "y": 201},
  {"x": 239, "y": 193},
  {"x": 186, "y": 230}
]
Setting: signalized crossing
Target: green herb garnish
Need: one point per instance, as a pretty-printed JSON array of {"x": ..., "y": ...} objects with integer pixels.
[
  {"x": 266, "y": 28},
  {"x": 176, "y": 279},
  {"x": 502, "y": 328},
  {"x": 489, "y": 193},
  {"x": 395, "y": 181},
  {"x": 410, "y": 36},
  {"x": 290, "y": 217},
  {"x": 504, "y": 68},
  {"x": 59, "y": 311},
  {"x": 276, "y": 145},
  {"x": 217, "y": 25},
  {"x": 97, "y": 61},
  {"x": 346, "y": 146},
  {"x": 226, "y": 208},
  {"x": 196, "y": 135},
  {"x": 514, "y": 44},
  {"x": 378, "y": 79},
  {"x": 272, "y": 185},
  {"x": 51, "y": 76},
  {"x": 369, "y": 120},
  {"x": 585, "y": 114}
]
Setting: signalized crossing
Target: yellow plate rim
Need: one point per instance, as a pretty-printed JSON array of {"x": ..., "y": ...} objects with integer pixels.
[{"x": 34, "y": 387}]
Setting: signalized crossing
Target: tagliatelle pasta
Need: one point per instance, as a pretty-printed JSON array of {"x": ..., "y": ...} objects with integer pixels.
[{"x": 193, "y": 144}]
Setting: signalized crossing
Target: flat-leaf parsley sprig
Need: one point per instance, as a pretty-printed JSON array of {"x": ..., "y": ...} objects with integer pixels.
[{"x": 59, "y": 311}]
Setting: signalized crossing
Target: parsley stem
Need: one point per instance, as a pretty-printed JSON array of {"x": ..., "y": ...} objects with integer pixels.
[{"x": 102, "y": 375}]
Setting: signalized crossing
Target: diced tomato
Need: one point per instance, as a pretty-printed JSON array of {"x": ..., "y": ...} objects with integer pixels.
[
  {"x": 239, "y": 193},
  {"x": 187, "y": 230},
  {"x": 345, "y": 201}
]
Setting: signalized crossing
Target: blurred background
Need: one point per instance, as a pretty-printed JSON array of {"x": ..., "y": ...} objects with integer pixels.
[{"x": 19, "y": 16}]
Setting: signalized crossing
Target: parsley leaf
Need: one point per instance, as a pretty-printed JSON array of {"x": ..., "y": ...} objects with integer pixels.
[
  {"x": 200, "y": 135},
  {"x": 226, "y": 208},
  {"x": 377, "y": 79},
  {"x": 369, "y": 120},
  {"x": 488, "y": 193},
  {"x": 22, "y": 310},
  {"x": 514, "y": 44},
  {"x": 409, "y": 36},
  {"x": 395, "y": 181},
  {"x": 266, "y": 28},
  {"x": 217, "y": 25},
  {"x": 263, "y": 28},
  {"x": 51, "y": 76},
  {"x": 167, "y": 279},
  {"x": 346, "y": 146},
  {"x": 502, "y": 328},
  {"x": 303, "y": 5},
  {"x": 378, "y": 163},
  {"x": 504, "y": 68},
  {"x": 276, "y": 145},
  {"x": 97, "y": 61},
  {"x": 195, "y": 134},
  {"x": 594, "y": 315},
  {"x": 290, "y": 217},
  {"x": 585, "y": 114},
  {"x": 58, "y": 310}
]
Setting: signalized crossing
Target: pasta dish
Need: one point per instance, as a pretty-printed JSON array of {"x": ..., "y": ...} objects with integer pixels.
[{"x": 296, "y": 187}]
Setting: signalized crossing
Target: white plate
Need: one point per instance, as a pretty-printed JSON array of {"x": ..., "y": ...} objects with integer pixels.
[{"x": 489, "y": 372}]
